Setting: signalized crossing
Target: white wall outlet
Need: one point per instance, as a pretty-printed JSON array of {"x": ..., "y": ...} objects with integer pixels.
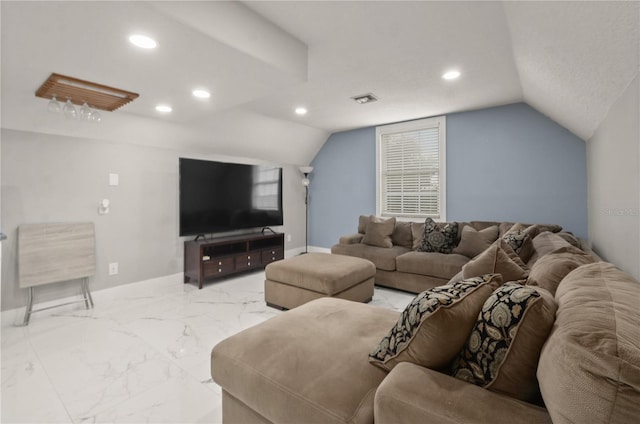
[
  {"x": 113, "y": 268},
  {"x": 288, "y": 237}
]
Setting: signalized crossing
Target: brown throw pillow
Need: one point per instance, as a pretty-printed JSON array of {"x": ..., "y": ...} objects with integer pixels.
[
  {"x": 378, "y": 233},
  {"x": 550, "y": 269},
  {"x": 435, "y": 325},
  {"x": 474, "y": 242},
  {"x": 498, "y": 258},
  {"x": 504, "y": 347}
]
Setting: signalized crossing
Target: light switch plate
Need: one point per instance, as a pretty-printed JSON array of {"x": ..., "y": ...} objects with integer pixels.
[{"x": 114, "y": 179}]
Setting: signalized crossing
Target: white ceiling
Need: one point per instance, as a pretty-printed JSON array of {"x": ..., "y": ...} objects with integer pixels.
[{"x": 569, "y": 60}]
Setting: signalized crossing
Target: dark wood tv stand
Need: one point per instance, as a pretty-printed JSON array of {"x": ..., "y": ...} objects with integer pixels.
[{"x": 206, "y": 260}]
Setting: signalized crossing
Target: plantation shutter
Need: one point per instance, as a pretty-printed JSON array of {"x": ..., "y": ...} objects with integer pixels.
[{"x": 410, "y": 173}]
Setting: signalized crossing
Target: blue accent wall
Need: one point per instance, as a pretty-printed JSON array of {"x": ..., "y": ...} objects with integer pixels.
[
  {"x": 506, "y": 163},
  {"x": 343, "y": 185}
]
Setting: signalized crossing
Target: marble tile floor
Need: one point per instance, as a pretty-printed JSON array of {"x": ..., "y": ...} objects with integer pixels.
[{"x": 140, "y": 356}]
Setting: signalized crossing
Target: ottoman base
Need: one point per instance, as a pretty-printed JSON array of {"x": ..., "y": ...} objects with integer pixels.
[
  {"x": 284, "y": 296},
  {"x": 291, "y": 282}
]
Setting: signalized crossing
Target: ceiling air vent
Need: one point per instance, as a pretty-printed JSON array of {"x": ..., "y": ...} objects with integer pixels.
[{"x": 365, "y": 98}]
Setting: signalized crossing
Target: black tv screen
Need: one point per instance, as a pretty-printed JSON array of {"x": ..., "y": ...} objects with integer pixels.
[{"x": 217, "y": 197}]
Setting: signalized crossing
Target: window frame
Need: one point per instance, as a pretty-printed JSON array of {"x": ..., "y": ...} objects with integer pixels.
[{"x": 419, "y": 124}]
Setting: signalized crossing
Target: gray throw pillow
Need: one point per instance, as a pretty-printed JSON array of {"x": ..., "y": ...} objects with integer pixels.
[{"x": 378, "y": 233}]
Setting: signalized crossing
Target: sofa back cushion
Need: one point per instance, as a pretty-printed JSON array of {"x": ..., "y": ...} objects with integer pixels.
[
  {"x": 417, "y": 234},
  {"x": 550, "y": 269},
  {"x": 363, "y": 220},
  {"x": 589, "y": 370},
  {"x": 402, "y": 234},
  {"x": 545, "y": 243}
]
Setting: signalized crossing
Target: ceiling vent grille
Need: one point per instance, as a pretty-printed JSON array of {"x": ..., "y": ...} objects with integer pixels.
[{"x": 365, "y": 98}]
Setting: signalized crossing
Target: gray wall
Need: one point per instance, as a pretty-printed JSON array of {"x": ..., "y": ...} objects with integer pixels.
[
  {"x": 614, "y": 184},
  {"x": 503, "y": 163},
  {"x": 48, "y": 178}
]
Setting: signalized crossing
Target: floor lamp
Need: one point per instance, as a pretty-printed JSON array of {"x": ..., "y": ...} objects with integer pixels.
[{"x": 306, "y": 170}]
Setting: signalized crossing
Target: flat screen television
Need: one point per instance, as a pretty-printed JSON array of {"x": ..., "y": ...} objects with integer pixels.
[{"x": 218, "y": 197}]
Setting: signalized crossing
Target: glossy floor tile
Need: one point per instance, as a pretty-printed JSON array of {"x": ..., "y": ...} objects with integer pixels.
[{"x": 140, "y": 356}]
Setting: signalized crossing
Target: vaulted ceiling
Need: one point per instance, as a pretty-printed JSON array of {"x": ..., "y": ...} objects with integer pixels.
[{"x": 261, "y": 60}]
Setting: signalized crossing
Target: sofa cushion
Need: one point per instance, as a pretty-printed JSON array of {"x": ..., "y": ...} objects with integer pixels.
[
  {"x": 550, "y": 269},
  {"x": 473, "y": 242},
  {"x": 503, "y": 350},
  {"x": 417, "y": 234},
  {"x": 435, "y": 324},
  {"x": 571, "y": 239},
  {"x": 382, "y": 258},
  {"x": 306, "y": 365},
  {"x": 434, "y": 264},
  {"x": 363, "y": 220},
  {"x": 414, "y": 394},
  {"x": 402, "y": 234},
  {"x": 589, "y": 370},
  {"x": 378, "y": 232},
  {"x": 439, "y": 236},
  {"x": 545, "y": 243},
  {"x": 498, "y": 258}
]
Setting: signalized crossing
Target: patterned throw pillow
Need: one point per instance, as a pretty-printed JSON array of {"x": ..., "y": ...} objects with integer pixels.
[
  {"x": 435, "y": 325},
  {"x": 439, "y": 237},
  {"x": 520, "y": 243},
  {"x": 504, "y": 347}
]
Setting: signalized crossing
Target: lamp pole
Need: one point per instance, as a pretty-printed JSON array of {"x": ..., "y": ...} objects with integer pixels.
[{"x": 306, "y": 170}]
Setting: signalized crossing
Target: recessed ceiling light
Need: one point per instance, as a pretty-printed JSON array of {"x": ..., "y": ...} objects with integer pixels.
[
  {"x": 451, "y": 75},
  {"x": 301, "y": 111},
  {"x": 164, "y": 108},
  {"x": 143, "y": 41},
  {"x": 201, "y": 94}
]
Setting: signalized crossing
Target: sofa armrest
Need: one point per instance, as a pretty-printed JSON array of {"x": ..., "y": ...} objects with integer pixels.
[
  {"x": 412, "y": 394},
  {"x": 351, "y": 239}
]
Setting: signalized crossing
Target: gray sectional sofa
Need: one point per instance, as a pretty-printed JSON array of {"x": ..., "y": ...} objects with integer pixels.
[
  {"x": 402, "y": 267},
  {"x": 313, "y": 364}
]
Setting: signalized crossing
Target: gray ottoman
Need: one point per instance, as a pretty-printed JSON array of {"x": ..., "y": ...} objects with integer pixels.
[{"x": 294, "y": 281}]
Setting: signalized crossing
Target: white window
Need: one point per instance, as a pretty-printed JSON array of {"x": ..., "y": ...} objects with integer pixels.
[
  {"x": 410, "y": 181},
  {"x": 266, "y": 192}
]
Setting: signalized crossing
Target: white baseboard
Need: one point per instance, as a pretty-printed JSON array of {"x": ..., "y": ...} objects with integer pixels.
[{"x": 15, "y": 317}]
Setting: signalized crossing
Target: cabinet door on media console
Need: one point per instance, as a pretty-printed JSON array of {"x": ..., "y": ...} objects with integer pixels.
[
  {"x": 218, "y": 267},
  {"x": 272, "y": 255},
  {"x": 248, "y": 261}
]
